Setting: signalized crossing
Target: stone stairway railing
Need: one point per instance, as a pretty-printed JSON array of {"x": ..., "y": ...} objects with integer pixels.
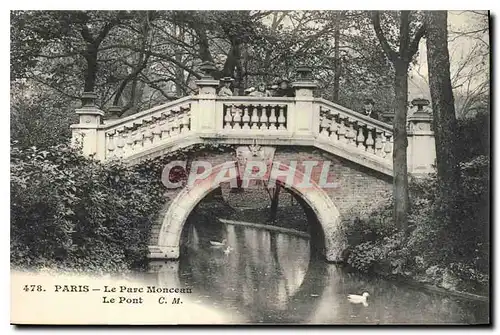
[
  {"x": 302, "y": 120},
  {"x": 154, "y": 127},
  {"x": 354, "y": 132}
]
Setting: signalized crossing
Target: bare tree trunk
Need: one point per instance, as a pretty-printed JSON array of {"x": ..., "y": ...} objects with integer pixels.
[
  {"x": 91, "y": 71},
  {"x": 401, "y": 61},
  {"x": 179, "y": 72},
  {"x": 399, "y": 158},
  {"x": 445, "y": 125},
  {"x": 336, "y": 52},
  {"x": 141, "y": 65},
  {"x": 444, "y": 121}
]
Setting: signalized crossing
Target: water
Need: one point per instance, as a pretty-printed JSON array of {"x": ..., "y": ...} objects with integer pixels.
[{"x": 270, "y": 277}]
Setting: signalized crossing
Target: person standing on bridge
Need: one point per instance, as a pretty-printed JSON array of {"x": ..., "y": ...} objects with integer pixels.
[
  {"x": 284, "y": 89},
  {"x": 225, "y": 90},
  {"x": 368, "y": 109},
  {"x": 261, "y": 91}
]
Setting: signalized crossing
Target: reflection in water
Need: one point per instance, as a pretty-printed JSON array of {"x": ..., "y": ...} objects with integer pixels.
[{"x": 270, "y": 277}]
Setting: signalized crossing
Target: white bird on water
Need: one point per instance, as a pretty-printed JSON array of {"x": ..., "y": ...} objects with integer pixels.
[
  {"x": 217, "y": 244},
  {"x": 358, "y": 299}
]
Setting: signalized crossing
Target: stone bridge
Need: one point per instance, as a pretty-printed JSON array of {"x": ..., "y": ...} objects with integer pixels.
[{"x": 302, "y": 128}]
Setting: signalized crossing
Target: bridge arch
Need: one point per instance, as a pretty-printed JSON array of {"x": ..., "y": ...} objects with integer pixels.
[{"x": 327, "y": 214}]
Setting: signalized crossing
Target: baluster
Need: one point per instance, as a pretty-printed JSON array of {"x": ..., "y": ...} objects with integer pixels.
[
  {"x": 237, "y": 118},
  {"x": 388, "y": 145},
  {"x": 111, "y": 144},
  {"x": 334, "y": 126},
  {"x": 272, "y": 119},
  {"x": 350, "y": 133},
  {"x": 170, "y": 124},
  {"x": 148, "y": 135},
  {"x": 323, "y": 122},
  {"x": 175, "y": 126},
  {"x": 281, "y": 118},
  {"x": 255, "y": 117},
  {"x": 383, "y": 139},
  {"x": 139, "y": 137},
  {"x": 120, "y": 143},
  {"x": 180, "y": 121},
  {"x": 129, "y": 135},
  {"x": 186, "y": 121},
  {"x": 156, "y": 130},
  {"x": 263, "y": 119},
  {"x": 164, "y": 127},
  {"x": 324, "y": 126},
  {"x": 246, "y": 118},
  {"x": 228, "y": 118},
  {"x": 131, "y": 140},
  {"x": 361, "y": 137},
  {"x": 342, "y": 130},
  {"x": 378, "y": 143},
  {"x": 369, "y": 140}
]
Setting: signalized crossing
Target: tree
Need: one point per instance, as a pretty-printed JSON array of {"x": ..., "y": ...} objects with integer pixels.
[
  {"x": 400, "y": 60},
  {"x": 139, "y": 59},
  {"x": 443, "y": 106}
]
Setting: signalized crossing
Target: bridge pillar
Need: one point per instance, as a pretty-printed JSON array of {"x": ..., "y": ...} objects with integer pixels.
[
  {"x": 306, "y": 117},
  {"x": 204, "y": 116},
  {"x": 114, "y": 112},
  {"x": 421, "y": 145},
  {"x": 85, "y": 134}
]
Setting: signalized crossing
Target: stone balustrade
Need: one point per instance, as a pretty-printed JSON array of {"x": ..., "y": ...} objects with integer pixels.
[
  {"x": 343, "y": 127},
  {"x": 131, "y": 135},
  {"x": 301, "y": 120},
  {"x": 254, "y": 115}
]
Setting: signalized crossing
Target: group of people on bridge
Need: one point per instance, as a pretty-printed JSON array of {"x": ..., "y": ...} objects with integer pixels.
[{"x": 281, "y": 88}]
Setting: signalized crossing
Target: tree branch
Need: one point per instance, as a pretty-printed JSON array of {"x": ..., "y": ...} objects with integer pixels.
[
  {"x": 413, "y": 48},
  {"x": 390, "y": 53}
]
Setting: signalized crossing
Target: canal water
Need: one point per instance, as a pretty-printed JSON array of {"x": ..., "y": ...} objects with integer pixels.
[{"x": 262, "y": 276}]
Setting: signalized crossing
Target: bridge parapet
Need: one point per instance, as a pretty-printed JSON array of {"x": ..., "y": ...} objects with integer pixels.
[
  {"x": 301, "y": 120},
  {"x": 157, "y": 126},
  {"x": 355, "y": 132},
  {"x": 254, "y": 115}
]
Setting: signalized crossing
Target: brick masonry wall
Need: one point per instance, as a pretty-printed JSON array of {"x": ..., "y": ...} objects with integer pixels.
[{"x": 359, "y": 190}]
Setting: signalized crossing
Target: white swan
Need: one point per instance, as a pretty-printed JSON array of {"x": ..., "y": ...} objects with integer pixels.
[
  {"x": 217, "y": 244},
  {"x": 358, "y": 299}
]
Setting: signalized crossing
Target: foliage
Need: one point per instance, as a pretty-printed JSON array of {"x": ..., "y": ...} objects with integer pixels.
[
  {"x": 455, "y": 257},
  {"x": 71, "y": 211},
  {"x": 138, "y": 59},
  {"x": 474, "y": 136},
  {"x": 33, "y": 109}
]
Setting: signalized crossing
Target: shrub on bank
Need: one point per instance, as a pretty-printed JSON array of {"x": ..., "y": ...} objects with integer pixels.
[
  {"x": 73, "y": 212},
  {"x": 454, "y": 257},
  {"x": 68, "y": 211}
]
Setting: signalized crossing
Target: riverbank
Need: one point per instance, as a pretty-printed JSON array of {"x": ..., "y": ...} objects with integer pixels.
[{"x": 420, "y": 285}]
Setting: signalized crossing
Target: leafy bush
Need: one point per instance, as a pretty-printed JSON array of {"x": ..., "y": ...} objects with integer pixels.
[
  {"x": 474, "y": 136},
  {"x": 453, "y": 257},
  {"x": 376, "y": 226},
  {"x": 72, "y": 211},
  {"x": 40, "y": 118}
]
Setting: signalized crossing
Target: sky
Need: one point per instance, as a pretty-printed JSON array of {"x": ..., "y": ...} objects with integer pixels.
[{"x": 459, "y": 48}]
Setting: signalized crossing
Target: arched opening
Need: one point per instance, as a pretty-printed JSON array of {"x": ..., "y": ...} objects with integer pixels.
[{"x": 319, "y": 208}]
